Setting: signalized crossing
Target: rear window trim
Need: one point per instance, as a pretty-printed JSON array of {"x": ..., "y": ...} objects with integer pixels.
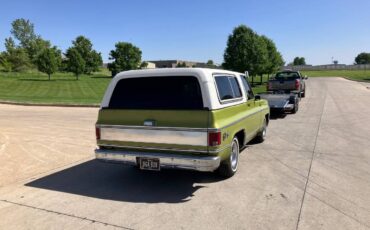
[{"x": 227, "y": 101}]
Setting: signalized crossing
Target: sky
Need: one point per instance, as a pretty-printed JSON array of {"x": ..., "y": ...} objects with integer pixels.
[{"x": 195, "y": 30}]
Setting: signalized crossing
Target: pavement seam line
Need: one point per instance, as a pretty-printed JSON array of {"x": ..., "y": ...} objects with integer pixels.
[
  {"x": 65, "y": 214},
  {"x": 340, "y": 211},
  {"x": 312, "y": 156}
]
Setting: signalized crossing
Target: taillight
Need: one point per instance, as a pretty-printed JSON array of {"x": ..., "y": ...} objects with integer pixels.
[
  {"x": 97, "y": 133},
  {"x": 214, "y": 138},
  {"x": 268, "y": 86},
  {"x": 296, "y": 84}
]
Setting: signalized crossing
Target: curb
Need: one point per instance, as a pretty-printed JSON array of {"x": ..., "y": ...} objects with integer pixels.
[
  {"x": 356, "y": 80},
  {"x": 48, "y": 105}
]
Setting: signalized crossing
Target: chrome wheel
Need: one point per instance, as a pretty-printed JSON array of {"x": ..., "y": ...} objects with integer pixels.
[
  {"x": 264, "y": 131},
  {"x": 234, "y": 156},
  {"x": 230, "y": 165}
]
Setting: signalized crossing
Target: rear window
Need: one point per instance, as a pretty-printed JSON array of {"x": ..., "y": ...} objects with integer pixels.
[
  {"x": 287, "y": 75},
  {"x": 248, "y": 90},
  {"x": 228, "y": 87},
  {"x": 157, "y": 93},
  {"x": 235, "y": 86}
]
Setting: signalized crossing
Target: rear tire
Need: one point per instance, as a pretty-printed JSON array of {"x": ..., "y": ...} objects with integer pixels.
[
  {"x": 296, "y": 107},
  {"x": 261, "y": 136},
  {"x": 229, "y": 167},
  {"x": 303, "y": 94}
]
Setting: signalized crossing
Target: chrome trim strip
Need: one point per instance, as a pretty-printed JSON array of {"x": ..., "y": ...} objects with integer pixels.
[
  {"x": 167, "y": 149},
  {"x": 288, "y": 106},
  {"x": 228, "y": 101},
  {"x": 153, "y": 148},
  {"x": 156, "y": 128},
  {"x": 155, "y": 136},
  {"x": 198, "y": 163},
  {"x": 240, "y": 119}
]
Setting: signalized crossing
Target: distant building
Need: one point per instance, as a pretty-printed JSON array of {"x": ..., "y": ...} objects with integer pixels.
[
  {"x": 174, "y": 63},
  {"x": 150, "y": 65}
]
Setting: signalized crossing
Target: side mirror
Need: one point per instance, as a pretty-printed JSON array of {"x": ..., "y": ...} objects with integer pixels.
[
  {"x": 257, "y": 97},
  {"x": 305, "y": 77},
  {"x": 247, "y": 74}
]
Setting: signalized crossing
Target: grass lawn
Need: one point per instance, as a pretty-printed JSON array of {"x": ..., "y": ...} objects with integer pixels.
[
  {"x": 63, "y": 88},
  {"x": 357, "y": 75}
]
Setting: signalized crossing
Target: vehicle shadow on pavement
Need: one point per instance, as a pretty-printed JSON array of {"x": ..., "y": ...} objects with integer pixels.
[
  {"x": 121, "y": 183},
  {"x": 277, "y": 115}
]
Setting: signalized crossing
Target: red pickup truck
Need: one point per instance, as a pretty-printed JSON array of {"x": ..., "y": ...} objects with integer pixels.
[{"x": 288, "y": 81}]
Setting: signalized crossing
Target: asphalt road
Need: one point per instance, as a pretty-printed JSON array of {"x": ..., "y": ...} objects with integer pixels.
[{"x": 312, "y": 172}]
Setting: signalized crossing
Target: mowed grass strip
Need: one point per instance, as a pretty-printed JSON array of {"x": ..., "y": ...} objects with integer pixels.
[
  {"x": 63, "y": 88},
  {"x": 356, "y": 75}
]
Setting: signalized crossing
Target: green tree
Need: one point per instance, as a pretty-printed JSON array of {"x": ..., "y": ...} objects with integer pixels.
[
  {"x": 94, "y": 62},
  {"x": 14, "y": 58},
  {"x": 210, "y": 64},
  {"x": 23, "y": 30},
  {"x": 75, "y": 62},
  {"x": 362, "y": 58},
  {"x": 245, "y": 51},
  {"x": 181, "y": 65},
  {"x": 144, "y": 65},
  {"x": 48, "y": 61},
  {"x": 91, "y": 57},
  {"x": 262, "y": 58},
  {"x": 36, "y": 47},
  {"x": 274, "y": 60},
  {"x": 4, "y": 64},
  {"x": 9, "y": 44},
  {"x": 126, "y": 56},
  {"x": 299, "y": 61}
]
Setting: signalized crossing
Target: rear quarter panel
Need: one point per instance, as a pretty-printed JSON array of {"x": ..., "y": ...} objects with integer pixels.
[{"x": 234, "y": 119}]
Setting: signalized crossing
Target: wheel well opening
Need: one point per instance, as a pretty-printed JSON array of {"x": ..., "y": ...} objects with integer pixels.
[
  {"x": 241, "y": 137},
  {"x": 267, "y": 116}
]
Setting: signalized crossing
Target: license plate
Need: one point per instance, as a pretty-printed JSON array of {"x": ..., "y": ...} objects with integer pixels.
[{"x": 149, "y": 164}]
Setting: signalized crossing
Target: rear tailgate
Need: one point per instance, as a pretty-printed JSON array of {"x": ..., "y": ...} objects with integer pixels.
[
  {"x": 282, "y": 85},
  {"x": 160, "y": 113},
  {"x": 168, "y": 131}
]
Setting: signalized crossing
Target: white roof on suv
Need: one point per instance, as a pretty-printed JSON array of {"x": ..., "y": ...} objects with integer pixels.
[{"x": 204, "y": 75}]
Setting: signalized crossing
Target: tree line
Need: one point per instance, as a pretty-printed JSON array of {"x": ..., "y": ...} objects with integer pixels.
[
  {"x": 25, "y": 50},
  {"x": 246, "y": 50}
]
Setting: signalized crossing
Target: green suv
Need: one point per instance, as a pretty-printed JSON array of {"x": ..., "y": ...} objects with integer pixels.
[{"x": 184, "y": 118}]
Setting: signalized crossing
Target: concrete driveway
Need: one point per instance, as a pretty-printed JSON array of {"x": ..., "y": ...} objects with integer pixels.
[{"x": 312, "y": 172}]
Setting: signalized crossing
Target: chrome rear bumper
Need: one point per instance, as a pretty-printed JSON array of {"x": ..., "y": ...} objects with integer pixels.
[
  {"x": 197, "y": 163},
  {"x": 289, "y": 107}
]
